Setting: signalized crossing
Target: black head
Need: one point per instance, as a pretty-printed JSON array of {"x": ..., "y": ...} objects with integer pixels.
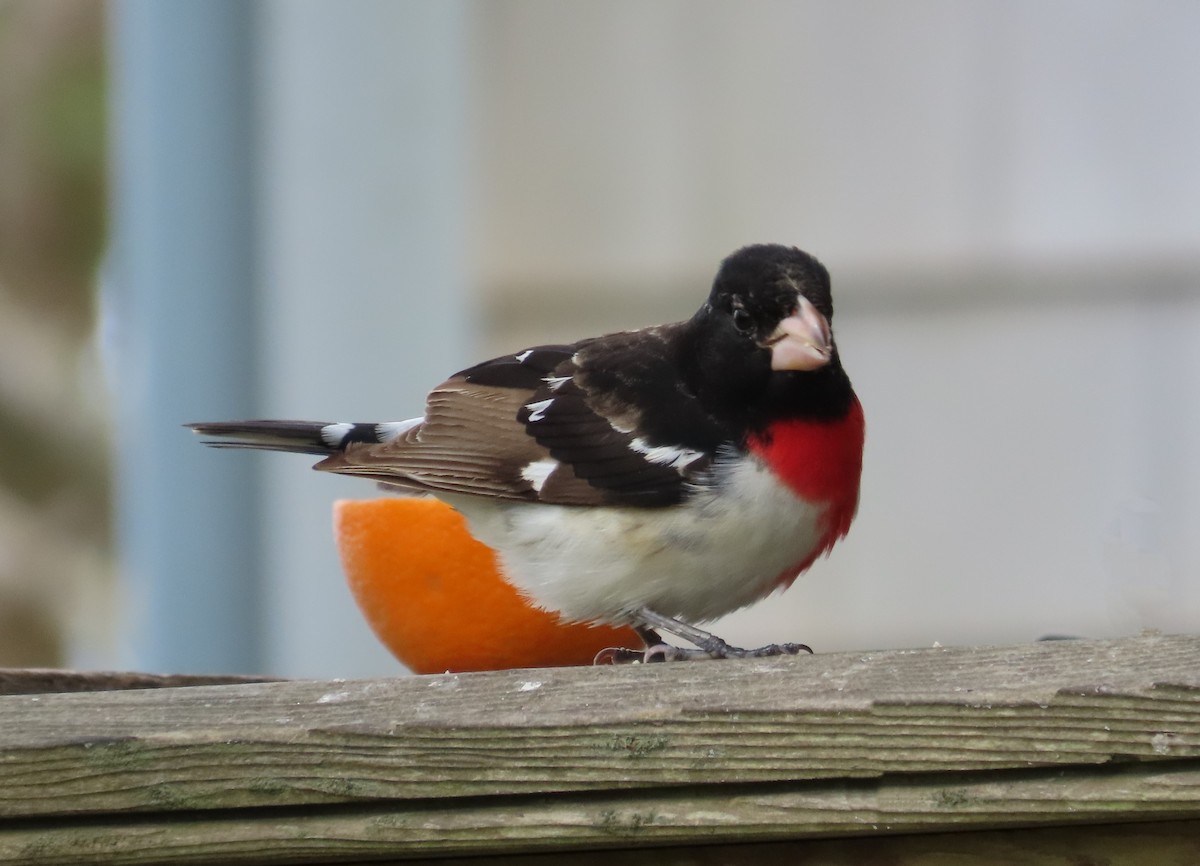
[
  {"x": 764, "y": 281},
  {"x": 761, "y": 345}
]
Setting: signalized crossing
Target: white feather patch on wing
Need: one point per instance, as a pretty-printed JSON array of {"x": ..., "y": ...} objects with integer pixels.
[
  {"x": 389, "y": 431},
  {"x": 556, "y": 382},
  {"x": 537, "y": 411},
  {"x": 538, "y": 471},
  {"x": 666, "y": 455},
  {"x": 521, "y": 357},
  {"x": 333, "y": 434}
]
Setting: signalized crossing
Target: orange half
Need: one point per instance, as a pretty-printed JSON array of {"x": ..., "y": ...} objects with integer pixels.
[{"x": 435, "y": 598}]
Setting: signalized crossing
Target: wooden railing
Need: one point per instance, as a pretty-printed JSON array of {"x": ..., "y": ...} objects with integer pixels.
[{"x": 1094, "y": 738}]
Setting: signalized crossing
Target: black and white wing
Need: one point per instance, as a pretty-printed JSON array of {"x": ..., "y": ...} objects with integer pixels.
[{"x": 607, "y": 421}]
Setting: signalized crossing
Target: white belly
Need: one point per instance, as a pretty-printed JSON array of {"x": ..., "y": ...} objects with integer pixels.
[{"x": 695, "y": 563}]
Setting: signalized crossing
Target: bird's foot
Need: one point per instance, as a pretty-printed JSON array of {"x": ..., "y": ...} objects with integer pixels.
[
  {"x": 708, "y": 645},
  {"x": 719, "y": 649}
]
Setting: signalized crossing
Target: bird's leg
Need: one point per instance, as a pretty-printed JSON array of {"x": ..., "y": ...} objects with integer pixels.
[{"x": 709, "y": 645}]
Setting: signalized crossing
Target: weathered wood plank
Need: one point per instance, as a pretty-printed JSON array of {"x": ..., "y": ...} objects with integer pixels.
[
  {"x": 839, "y": 717},
  {"x": 566, "y": 822},
  {"x": 40, "y": 681},
  {"x": 1167, "y": 843}
]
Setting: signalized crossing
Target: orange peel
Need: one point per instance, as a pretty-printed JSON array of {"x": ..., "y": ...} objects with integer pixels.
[{"x": 435, "y": 598}]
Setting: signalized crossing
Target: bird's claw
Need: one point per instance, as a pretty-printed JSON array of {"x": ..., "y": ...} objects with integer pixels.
[
  {"x": 618, "y": 655},
  {"x": 781, "y": 649}
]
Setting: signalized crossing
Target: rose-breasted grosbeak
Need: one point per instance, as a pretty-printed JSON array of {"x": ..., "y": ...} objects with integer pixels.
[{"x": 654, "y": 477}]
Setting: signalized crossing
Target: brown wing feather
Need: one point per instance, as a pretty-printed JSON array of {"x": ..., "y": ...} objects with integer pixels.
[
  {"x": 527, "y": 427},
  {"x": 470, "y": 442}
]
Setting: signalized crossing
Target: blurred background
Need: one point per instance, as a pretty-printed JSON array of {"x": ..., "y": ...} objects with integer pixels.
[{"x": 294, "y": 208}]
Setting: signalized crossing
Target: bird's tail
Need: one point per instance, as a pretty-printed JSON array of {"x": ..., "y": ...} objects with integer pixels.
[{"x": 300, "y": 437}]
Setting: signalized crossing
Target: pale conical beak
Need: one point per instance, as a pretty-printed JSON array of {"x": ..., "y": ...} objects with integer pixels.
[{"x": 802, "y": 341}]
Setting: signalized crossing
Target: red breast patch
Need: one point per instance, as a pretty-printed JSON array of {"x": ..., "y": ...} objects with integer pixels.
[{"x": 820, "y": 461}]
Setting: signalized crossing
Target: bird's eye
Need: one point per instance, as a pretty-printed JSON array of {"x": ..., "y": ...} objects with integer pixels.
[{"x": 742, "y": 320}]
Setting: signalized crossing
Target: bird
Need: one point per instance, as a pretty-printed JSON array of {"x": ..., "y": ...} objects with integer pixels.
[{"x": 659, "y": 477}]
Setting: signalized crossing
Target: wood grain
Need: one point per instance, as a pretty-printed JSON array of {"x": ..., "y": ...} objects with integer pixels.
[
  {"x": 1166, "y": 843},
  {"x": 754, "y": 750},
  {"x": 718, "y": 814}
]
